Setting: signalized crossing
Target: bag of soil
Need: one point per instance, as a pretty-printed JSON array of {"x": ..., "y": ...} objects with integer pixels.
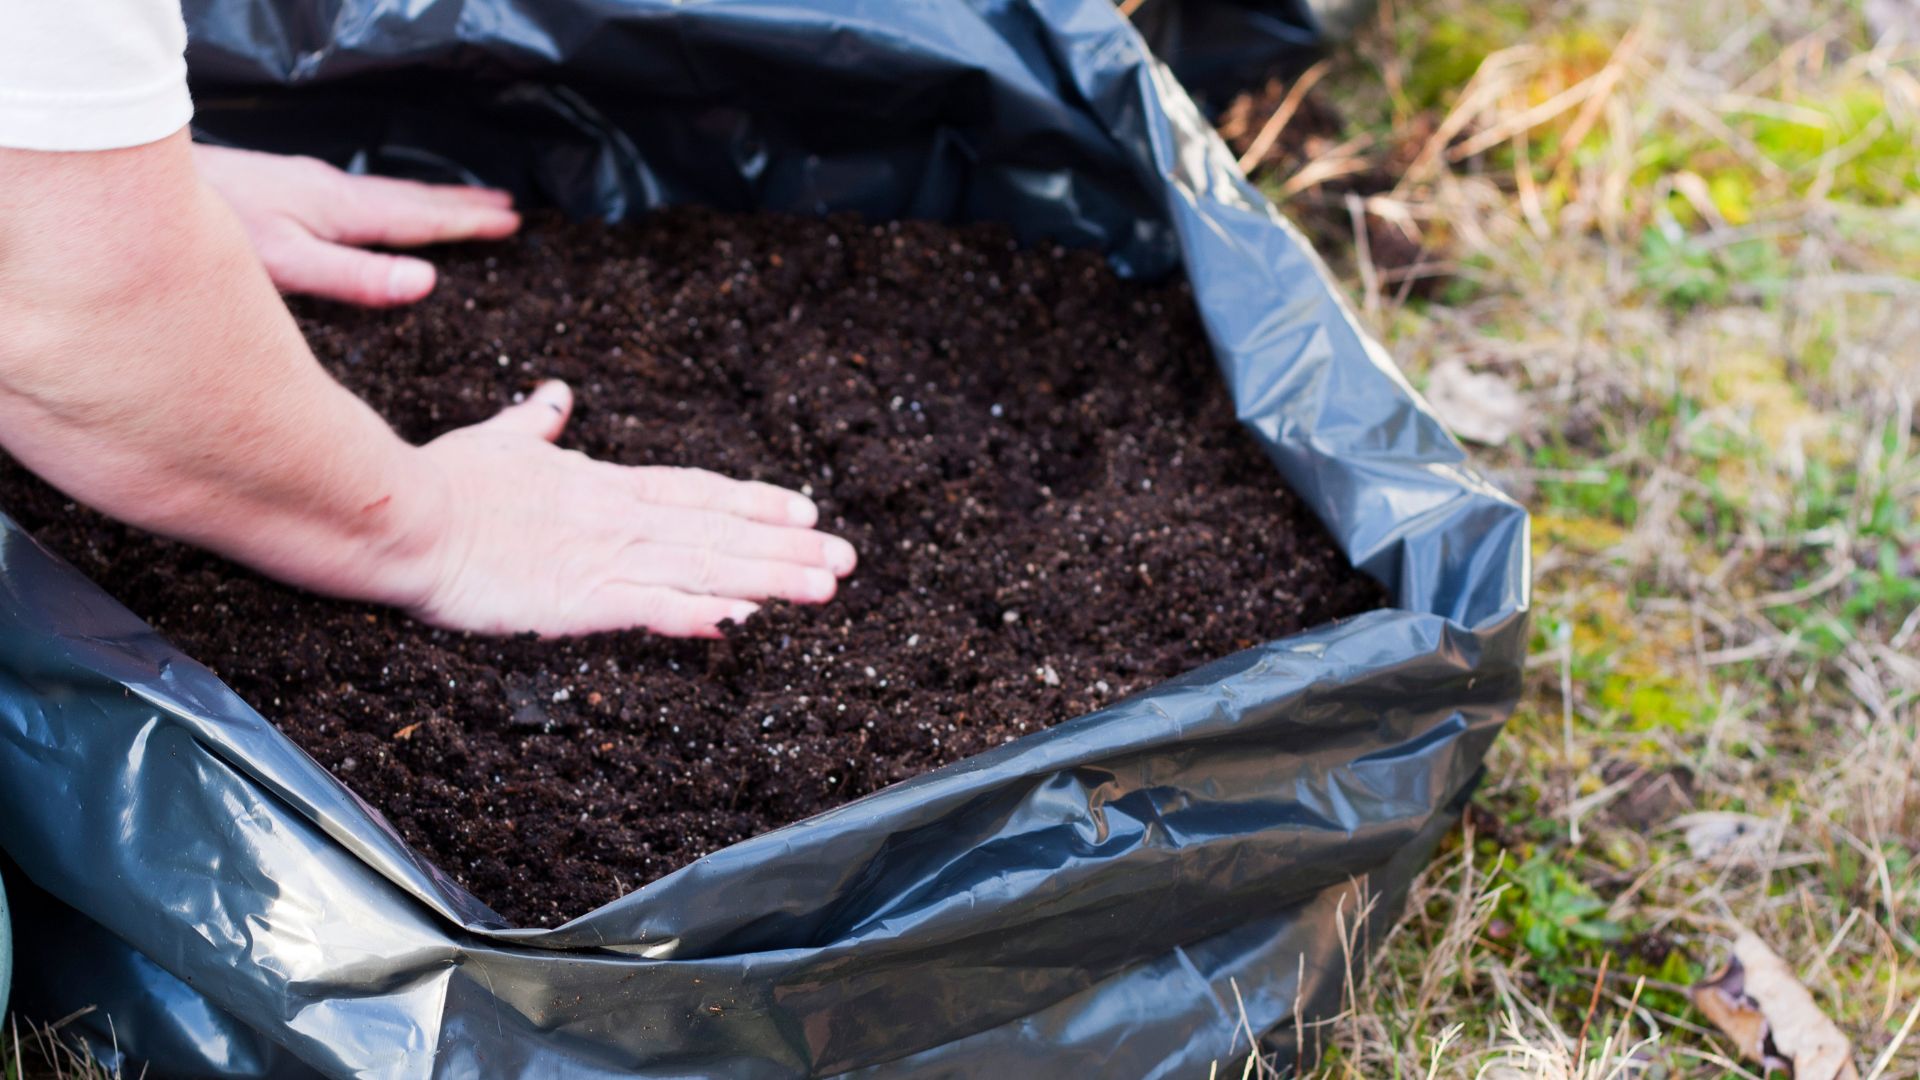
[{"x": 1099, "y": 895}]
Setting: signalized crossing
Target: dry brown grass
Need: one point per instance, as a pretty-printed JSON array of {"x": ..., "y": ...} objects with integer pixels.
[
  {"x": 30, "y": 1051},
  {"x": 1689, "y": 238}
]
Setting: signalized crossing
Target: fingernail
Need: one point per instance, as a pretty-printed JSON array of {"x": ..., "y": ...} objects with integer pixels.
[
  {"x": 820, "y": 585},
  {"x": 801, "y": 511},
  {"x": 409, "y": 279},
  {"x": 840, "y": 556},
  {"x": 552, "y": 394}
]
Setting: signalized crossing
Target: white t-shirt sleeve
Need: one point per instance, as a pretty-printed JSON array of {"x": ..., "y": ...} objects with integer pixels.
[{"x": 91, "y": 74}]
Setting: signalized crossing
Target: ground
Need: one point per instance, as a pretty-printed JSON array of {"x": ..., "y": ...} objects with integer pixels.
[
  {"x": 1666, "y": 263},
  {"x": 1684, "y": 240}
]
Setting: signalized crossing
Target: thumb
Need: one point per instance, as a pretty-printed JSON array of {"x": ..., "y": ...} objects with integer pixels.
[
  {"x": 300, "y": 262},
  {"x": 542, "y": 415}
]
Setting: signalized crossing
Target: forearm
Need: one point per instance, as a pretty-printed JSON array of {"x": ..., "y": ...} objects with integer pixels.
[{"x": 148, "y": 368}]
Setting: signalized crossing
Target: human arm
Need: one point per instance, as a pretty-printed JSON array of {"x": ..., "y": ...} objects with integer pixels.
[{"x": 148, "y": 368}]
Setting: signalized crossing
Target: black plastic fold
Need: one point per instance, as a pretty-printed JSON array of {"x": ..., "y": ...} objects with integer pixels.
[{"x": 1218, "y": 48}]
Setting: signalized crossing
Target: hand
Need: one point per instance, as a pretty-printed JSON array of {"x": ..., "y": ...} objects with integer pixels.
[
  {"x": 538, "y": 538},
  {"x": 148, "y": 369},
  {"x": 306, "y": 219}
]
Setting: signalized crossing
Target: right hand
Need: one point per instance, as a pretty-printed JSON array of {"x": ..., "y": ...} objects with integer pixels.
[{"x": 543, "y": 539}]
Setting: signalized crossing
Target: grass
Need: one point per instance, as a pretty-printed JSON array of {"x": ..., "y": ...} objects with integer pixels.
[
  {"x": 1689, "y": 236},
  {"x": 48, "y": 1052}
]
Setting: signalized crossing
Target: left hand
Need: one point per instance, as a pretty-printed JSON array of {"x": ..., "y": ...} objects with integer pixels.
[{"x": 307, "y": 220}]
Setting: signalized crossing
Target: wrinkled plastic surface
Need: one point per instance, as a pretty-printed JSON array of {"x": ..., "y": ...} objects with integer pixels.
[
  {"x": 1091, "y": 897},
  {"x": 1218, "y": 48}
]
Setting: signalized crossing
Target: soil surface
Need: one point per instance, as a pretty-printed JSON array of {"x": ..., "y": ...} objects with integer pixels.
[{"x": 1040, "y": 468}]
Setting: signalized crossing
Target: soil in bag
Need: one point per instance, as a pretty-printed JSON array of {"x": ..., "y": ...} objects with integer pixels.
[{"x": 1040, "y": 467}]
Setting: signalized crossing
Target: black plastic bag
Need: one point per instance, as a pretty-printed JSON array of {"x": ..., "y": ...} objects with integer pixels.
[
  {"x": 1218, "y": 48},
  {"x": 1097, "y": 897}
]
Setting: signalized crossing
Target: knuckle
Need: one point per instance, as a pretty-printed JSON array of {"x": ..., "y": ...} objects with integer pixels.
[
  {"x": 718, "y": 532},
  {"x": 652, "y": 609},
  {"x": 648, "y": 525},
  {"x": 341, "y": 196},
  {"x": 705, "y": 571},
  {"x": 678, "y": 618},
  {"x": 646, "y": 483},
  {"x": 313, "y": 167},
  {"x": 689, "y": 485},
  {"x": 370, "y": 275},
  {"x": 278, "y": 239},
  {"x": 313, "y": 174},
  {"x": 793, "y": 583},
  {"x": 707, "y": 488}
]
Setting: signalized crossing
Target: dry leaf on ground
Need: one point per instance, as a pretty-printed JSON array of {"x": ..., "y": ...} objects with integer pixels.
[
  {"x": 1727, "y": 836},
  {"x": 1478, "y": 406},
  {"x": 1772, "y": 1017}
]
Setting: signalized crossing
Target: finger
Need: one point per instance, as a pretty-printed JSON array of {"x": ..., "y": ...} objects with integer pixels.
[
  {"x": 543, "y": 414},
  {"x": 484, "y": 196},
  {"x": 661, "y": 610},
  {"x": 711, "y": 573},
  {"x": 403, "y": 213},
  {"x": 732, "y": 535},
  {"x": 702, "y": 490},
  {"x": 300, "y": 262},
  {"x": 415, "y": 189}
]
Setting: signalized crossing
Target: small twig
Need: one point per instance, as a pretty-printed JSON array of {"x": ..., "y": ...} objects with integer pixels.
[
  {"x": 1596, "y": 102},
  {"x": 1363, "y": 255},
  {"x": 1299, "y": 1011},
  {"x": 1529, "y": 192},
  {"x": 1342, "y": 160},
  {"x": 1826, "y": 582},
  {"x": 1593, "y": 1003},
  {"x": 1526, "y": 120},
  {"x": 1900, "y": 1037},
  {"x": 1485, "y": 86},
  {"x": 1269, "y": 133},
  {"x": 1246, "y": 1025}
]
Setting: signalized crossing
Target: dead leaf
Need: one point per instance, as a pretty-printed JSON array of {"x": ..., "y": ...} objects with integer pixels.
[
  {"x": 1727, "y": 837},
  {"x": 1724, "y": 999},
  {"x": 1772, "y": 1017},
  {"x": 1478, "y": 406}
]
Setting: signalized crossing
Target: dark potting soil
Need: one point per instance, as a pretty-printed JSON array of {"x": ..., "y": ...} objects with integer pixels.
[{"x": 1037, "y": 462}]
